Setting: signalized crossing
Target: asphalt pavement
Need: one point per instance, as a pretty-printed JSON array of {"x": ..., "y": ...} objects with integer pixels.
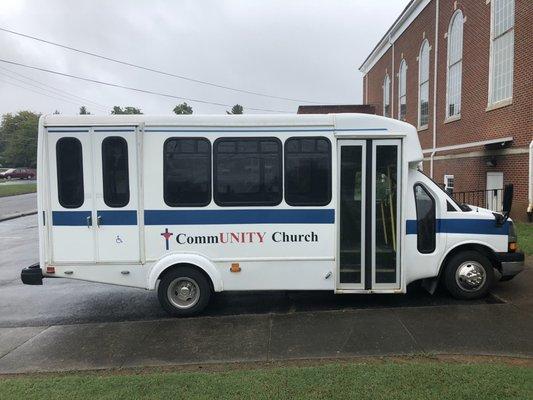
[
  {"x": 12, "y": 206},
  {"x": 66, "y": 324}
]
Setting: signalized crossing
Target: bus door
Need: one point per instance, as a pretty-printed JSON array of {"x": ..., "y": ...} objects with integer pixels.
[
  {"x": 71, "y": 195},
  {"x": 368, "y": 195},
  {"x": 116, "y": 202}
]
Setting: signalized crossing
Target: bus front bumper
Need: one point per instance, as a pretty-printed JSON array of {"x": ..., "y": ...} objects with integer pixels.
[
  {"x": 511, "y": 263},
  {"x": 32, "y": 275}
]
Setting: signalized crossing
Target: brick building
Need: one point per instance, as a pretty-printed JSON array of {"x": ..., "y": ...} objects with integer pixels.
[{"x": 462, "y": 73}]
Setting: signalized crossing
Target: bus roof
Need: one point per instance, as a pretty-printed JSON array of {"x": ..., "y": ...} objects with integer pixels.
[{"x": 352, "y": 125}]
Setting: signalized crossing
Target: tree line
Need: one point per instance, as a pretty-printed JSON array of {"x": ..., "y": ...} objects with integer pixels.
[
  {"x": 18, "y": 132},
  {"x": 180, "y": 109}
]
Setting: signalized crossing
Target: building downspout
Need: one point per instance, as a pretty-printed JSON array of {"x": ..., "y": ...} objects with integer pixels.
[
  {"x": 392, "y": 80},
  {"x": 432, "y": 156},
  {"x": 530, "y": 206}
]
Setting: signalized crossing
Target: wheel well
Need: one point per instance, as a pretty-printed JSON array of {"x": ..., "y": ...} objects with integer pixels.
[
  {"x": 486, "y": 251},
  {"x": 196, "y": 267}
]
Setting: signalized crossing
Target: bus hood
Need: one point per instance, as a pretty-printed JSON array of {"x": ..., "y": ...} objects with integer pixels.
[{"x": 482, "y": 211}]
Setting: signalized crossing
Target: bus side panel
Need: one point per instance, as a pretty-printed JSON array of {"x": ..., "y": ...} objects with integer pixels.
[
  {"x": 278, "y": 247},
  {"x": 273, "y": 256}
]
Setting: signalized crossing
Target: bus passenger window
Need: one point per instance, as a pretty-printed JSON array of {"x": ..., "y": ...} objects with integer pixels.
[
  {"x": 187, "y": 172},
  {"x": 425, "y": 220},
  {"x": 115, "y": 172},
  {"x": 247, "y": 172},
  {"x": 308, "y": 171},
  {"x": 69, "y": 172}
]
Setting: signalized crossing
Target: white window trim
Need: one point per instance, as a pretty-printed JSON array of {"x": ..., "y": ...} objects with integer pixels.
[
  {"x": 386, "y": 81},
  {"x": 446, "y": 177},
  {"x": 403, "y": 64},
  {"x": 455, "y": 117},
  {"x": 492, "y": 105},
  {"x": 425, "y": 126}
]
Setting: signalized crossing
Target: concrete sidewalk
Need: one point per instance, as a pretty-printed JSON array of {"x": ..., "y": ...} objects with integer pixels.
[
  {"x": 487, "y": 329},
  {"x": 502, "y": 325}
]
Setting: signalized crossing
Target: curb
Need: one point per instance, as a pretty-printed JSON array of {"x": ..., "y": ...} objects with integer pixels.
[{"x": 18, "y": 215}]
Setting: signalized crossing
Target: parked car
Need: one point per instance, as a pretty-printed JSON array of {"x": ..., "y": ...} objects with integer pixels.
[{"x": 18, "y": 173}]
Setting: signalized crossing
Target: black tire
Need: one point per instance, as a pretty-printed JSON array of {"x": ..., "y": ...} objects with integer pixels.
[
  {"x": 189, "y": 274},
  {"x": 451, "y": 272}
]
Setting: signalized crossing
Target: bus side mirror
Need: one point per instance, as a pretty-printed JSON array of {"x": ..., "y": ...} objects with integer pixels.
[{"x": 507, "y": 199}]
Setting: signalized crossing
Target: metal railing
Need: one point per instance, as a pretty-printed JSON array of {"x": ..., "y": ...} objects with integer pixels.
[{"x": 491, "y": 199}]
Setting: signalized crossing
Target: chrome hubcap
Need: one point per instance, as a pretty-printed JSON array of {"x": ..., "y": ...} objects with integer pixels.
[
  {"x": 470, "y": 276},
  {"x": 183, "y": 292}
]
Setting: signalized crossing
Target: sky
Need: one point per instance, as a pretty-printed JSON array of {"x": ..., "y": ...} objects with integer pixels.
[{"x": 308, "y": 50}]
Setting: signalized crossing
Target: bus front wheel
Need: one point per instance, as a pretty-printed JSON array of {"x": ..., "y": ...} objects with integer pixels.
[
  {"x": 469, "y": 275},
  {"x": 184, "y": 291}
]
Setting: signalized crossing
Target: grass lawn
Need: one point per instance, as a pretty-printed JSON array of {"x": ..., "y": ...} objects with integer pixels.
[
  {"x": 336, "y": 380},
  {"x": 525, "y": 237},
  {"x": 7, "y": 189}
]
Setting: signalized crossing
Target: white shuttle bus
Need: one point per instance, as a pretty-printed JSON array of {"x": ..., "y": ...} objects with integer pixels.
[{"x": 192, "y": 205}]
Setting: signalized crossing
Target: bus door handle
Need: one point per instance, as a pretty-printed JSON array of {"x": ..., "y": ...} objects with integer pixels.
[
  {"x": 89, "y": 222},
  {"x": 99, "y": 221}
]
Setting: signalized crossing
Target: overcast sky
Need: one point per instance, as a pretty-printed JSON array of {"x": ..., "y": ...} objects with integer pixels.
[{"x": 299, "y": 49}]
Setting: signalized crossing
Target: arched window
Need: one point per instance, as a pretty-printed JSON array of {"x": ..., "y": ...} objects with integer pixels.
[
  {"x": 423, "y": 85},
  {"x": 386, "y": 96},
  {"x": 501, "y": 50},
  {"x": 455, "y": 65},
  {"x": 402, "y": 91}
]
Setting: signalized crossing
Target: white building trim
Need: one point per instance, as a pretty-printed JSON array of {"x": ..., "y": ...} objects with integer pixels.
[
  {"x": 468, "y": 145},
  {"x": 409, "y": 14}
]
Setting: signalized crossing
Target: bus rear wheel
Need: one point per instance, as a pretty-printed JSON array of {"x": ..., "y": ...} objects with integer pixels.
[
  {"x": 469, "y": 275},
  {"x": 184, "y": 291}
]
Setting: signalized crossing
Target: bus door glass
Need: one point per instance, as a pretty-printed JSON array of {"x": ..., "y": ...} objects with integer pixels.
[
  {"x": 386, "y": 170},
  {"x": 368, "y": 226},
  {"x": 350, "y": 227},
  {"x": 116, "y": 194}
]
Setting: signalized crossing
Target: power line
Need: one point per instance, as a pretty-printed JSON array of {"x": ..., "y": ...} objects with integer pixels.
[
  {"x": 41, "y": 93},
  {"x": 135, "y": 89},
  {"x": 55, "y": 92},
  {"x": 53, "y": 89},
  {"x": 157, "y": 71},
  {"x": 45, "y": 92}
]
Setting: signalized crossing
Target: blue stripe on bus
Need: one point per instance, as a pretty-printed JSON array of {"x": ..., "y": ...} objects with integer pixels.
[
  {"x": 114, "y": 130},
  {"x": 198, "y": 217},
  {"x": 259, "y": 216},
  {"x": 464, "y": 226},
  {"x": 70, "y": 218},
  {"x": 108, "y": 217},
  {"x": 68, "y": 131},
  {"x": 265, "y": 130},
  {"x": 228, "y": 217},
  {"x": 118, "y": 217},
  {"x": 242, "y": 130}
]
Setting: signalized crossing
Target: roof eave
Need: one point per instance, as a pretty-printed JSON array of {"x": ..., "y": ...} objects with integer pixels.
[{"x": 389, "y": 36}]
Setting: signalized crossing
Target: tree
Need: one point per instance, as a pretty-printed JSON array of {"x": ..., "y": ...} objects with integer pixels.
[
  {"x": 18, "y": 139},
  {"x": 56, "y": 112},
  {"x": 127, "y": 110},
  {"x": 84, "y": 111},
  {"x": 183, "y": 109},
  {"x": 236, "y": 109}
]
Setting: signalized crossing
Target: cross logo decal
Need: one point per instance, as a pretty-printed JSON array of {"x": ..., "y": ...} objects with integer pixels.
[{"x": 167, "y": 236}]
